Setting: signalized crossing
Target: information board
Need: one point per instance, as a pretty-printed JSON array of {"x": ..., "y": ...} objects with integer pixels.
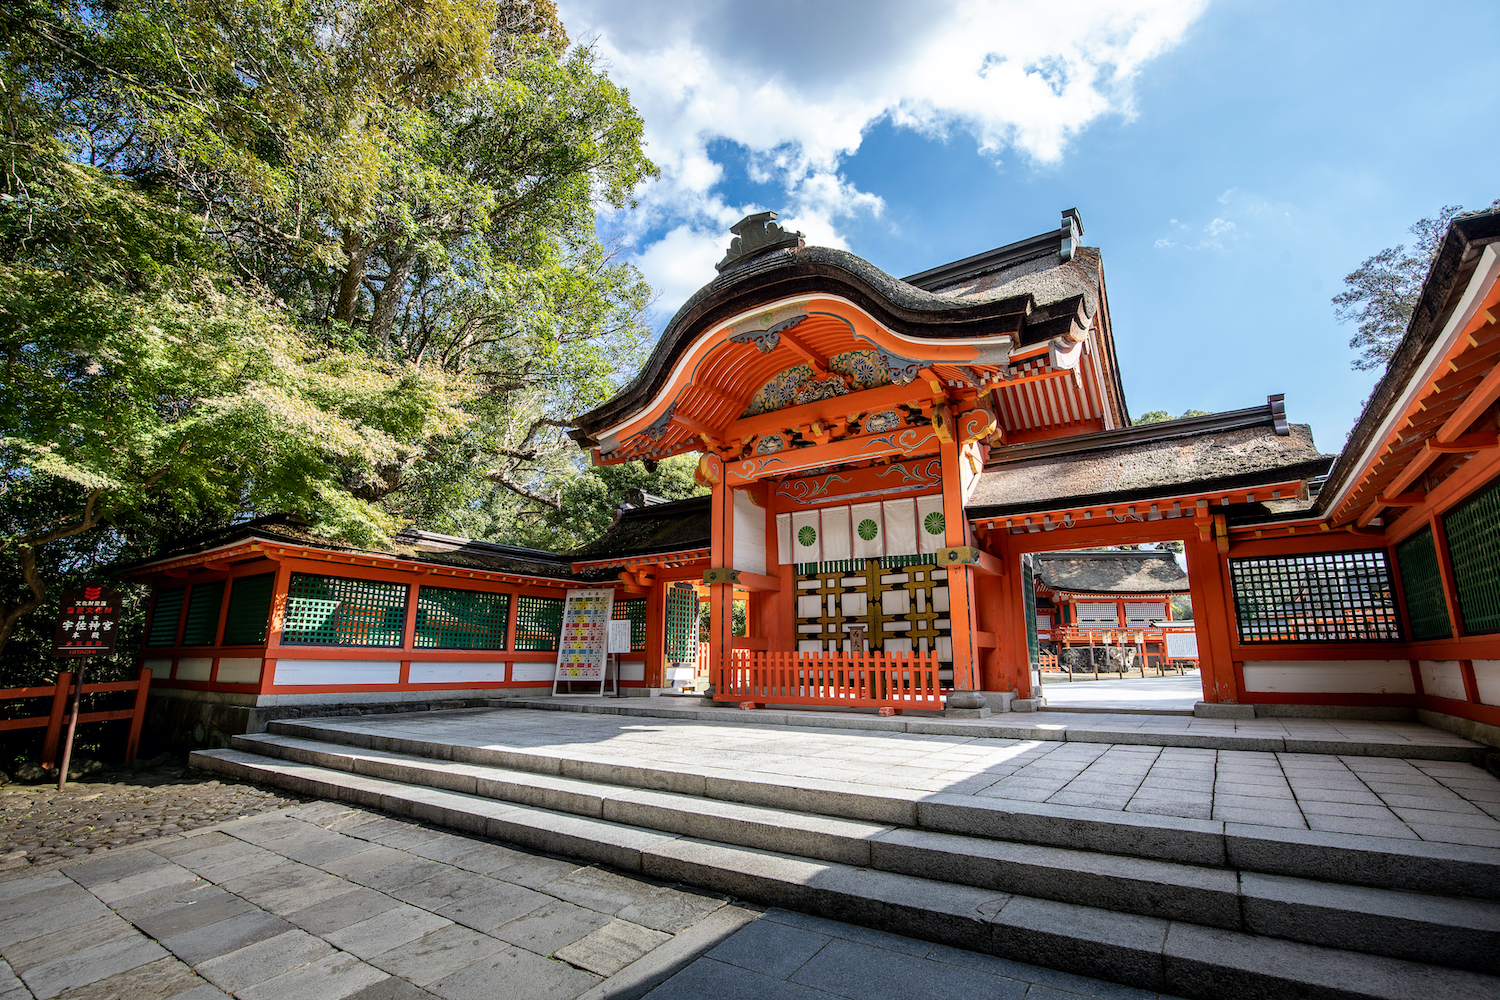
[
  {"x": 619, "y": 636},
  {"x": 584, "y": 643},
  {"x": 1182, "y": 645},
  {"x": 87, "y": 622}
]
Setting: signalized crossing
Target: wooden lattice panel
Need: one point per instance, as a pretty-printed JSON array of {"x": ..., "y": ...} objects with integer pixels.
[
  {"x": 449, "y": 618},
  {"x": 163, "y": 630},
  {"x": 339, "y": 611},
  {"x": 1473, "y": 531},
  {"x": 538, "y": 623},
  {"x": 633, "y": 610},
  {"x": 898, "y": 606}
]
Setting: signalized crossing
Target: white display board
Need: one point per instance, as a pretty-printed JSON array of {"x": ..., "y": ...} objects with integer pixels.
[
  {"x": 1182, "y": 645},
  {"x": 619, "y": 636},
  {"x": 584, "y": 643}
]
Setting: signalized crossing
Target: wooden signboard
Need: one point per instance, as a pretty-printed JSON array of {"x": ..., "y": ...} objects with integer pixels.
[{"x": 585, "y": 637}]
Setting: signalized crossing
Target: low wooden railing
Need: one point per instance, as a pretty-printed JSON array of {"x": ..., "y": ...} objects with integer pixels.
[
  {"x": 60, "y": 693},
  {"x": 864, "y": 680}
]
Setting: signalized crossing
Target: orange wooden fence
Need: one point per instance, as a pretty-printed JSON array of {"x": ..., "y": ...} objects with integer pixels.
[
  {"x": 865, "y": 680},
  {"x": 61, "y": 694}
]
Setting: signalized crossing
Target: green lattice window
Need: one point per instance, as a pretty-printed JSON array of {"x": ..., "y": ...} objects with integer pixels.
[
  {"x": 1422, "y": 585},
  {"x": 1028, "y": 595},
  {"x": 538, "y": 623},
  {"x": 203, "y": 614},
  {"x": 338, "y": 611},
  {"x": 682, "y": 624},
  {"x": 633, "y": 609},
  {"x": 461, "y": 619},
  {"x": 164, "y": 616},
  {"x": 1473, "y": 530},
  {"x": 1326, "y": 597},
  {"x": 249, "y": 610}
]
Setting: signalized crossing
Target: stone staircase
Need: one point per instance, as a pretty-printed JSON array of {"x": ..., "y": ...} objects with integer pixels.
[{"x": 1193, "y": 908}]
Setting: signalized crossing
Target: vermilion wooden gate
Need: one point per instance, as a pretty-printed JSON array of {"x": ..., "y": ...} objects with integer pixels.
[{"x": 864, "y": 680}]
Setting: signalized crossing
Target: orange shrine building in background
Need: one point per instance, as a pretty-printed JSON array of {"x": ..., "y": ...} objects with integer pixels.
[{"x": 886, "y": 461}]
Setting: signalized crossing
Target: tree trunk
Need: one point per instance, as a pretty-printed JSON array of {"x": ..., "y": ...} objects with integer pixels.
[
  {"x": 357, "y": 253},
  {"x": 38, "y": 594},
  {"x": 388, "y": 300}
]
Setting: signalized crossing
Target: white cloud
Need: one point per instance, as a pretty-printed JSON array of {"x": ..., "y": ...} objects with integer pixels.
[
  {"x": 1236, "y": 216},
  {"x": 797, "y": 85}
]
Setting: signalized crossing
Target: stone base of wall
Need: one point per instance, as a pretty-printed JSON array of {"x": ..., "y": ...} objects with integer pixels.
[
  {"x": 176, "y": 721},
  {"x": 1479, "y": 732},
  {"x": 1379, "y": 713}
]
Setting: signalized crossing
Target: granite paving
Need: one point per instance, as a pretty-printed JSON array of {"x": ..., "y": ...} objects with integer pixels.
[
  {"x": 202, "y": 915},
  {"x": 1417, "y": 799}
]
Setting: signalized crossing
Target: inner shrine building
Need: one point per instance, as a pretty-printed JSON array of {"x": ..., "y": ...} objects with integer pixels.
[{"x": 883, "y": 456}]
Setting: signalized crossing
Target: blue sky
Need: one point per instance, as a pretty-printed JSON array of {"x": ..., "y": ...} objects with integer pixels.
[{"x": 1232, "y": 160}]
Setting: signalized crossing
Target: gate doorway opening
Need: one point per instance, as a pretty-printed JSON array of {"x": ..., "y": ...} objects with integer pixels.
[{"x": 1113, "y": 629}]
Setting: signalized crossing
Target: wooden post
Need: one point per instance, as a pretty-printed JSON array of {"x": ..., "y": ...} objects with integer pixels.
[
  {"x": 960, "y": 578},
  {"x": 721, "y": 594},
  {"x": 54, "y": 721},
  {"x": 138, "y": 716},
  {"x": 1213, "y": 619},
  {"x": 67, "y": 754}
]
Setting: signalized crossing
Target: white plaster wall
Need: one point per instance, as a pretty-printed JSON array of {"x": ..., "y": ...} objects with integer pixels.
[
  {"x": 159, "y": 668},
  {"x": 1443, "y": 679},
  {"x": 456, "y": 671},
  {"x": 1330, "y": 676},
  {"x": 240, "y": 669},
  {"x": 194, "y": 668},
  {"x": 337, "y": 672},
  {"x": 532, "y": 670},
  {"x": 749, "y": 535},
  {"x": 632, "y": 670},
  {"x": 1487, "y": 676},
  {"x": 784, "y": 539}
]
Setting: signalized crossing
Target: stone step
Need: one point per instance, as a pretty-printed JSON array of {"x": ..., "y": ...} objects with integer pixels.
[
  {"x": 1183, "y": 958},
  {"x": 1270, "y": 735},
  {"x": 1440, "y": 930},
  {"x": 1356, "y": 859}
]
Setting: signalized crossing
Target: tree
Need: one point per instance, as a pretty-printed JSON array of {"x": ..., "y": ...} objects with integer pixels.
[
  {"x": 1160, "y": 416},
  {"x": 143, "y": 384},
  {"x": 1382, "y": 292}
]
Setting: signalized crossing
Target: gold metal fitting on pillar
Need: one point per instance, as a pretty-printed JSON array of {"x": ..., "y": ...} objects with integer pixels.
[
  {"x": 958, "y": 555},
  {"x": 721, "y": 574}
]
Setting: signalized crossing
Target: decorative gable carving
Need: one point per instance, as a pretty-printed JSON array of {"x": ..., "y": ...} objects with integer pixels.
[{"x": 757, "y": 234}]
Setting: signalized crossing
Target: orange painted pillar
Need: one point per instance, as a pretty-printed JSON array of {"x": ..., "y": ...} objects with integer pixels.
[
  {"x": 1213, "y": 615},
  {"x": 656, "y": 633},
  {"x": 960, "y": 577},
  {"x": 721, "y": 557}
]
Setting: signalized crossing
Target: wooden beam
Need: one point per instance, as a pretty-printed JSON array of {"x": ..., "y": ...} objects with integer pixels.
[
  {"x": 825, "y": 410},
  {"x": 1481, "y": 398},
  {"x": 1467, "y": 444},
  {"x": 819, "y": 363},
  {"x": 1403, "y": 500},
  {"x": 904, "y": 441}
]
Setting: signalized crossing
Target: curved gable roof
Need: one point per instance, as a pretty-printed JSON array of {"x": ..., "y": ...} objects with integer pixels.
[{"x": 1031, "y": 296}]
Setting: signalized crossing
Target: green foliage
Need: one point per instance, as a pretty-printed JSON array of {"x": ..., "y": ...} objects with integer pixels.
[
  {"x": 1380, "y": 295},
  {"x": 334, "y": 257},
  {"x": 1160, "y": 416}
]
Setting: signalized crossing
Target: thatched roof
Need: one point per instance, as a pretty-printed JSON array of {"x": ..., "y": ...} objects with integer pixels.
[
  {"x": 417, "y": 546},
  {"x": 654, "y": 528},
  {"x": 1143, "y": 571},
  {"x": 1225, "y": 451}
]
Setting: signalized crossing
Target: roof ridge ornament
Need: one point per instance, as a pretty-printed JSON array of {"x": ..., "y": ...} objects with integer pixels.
[{"x": 756, "y": 234}]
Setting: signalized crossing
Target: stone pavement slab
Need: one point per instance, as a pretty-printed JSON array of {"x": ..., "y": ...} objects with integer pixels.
[
  {"x": 1415, "y": 799},
  {"x": 538, "y": 926}
]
